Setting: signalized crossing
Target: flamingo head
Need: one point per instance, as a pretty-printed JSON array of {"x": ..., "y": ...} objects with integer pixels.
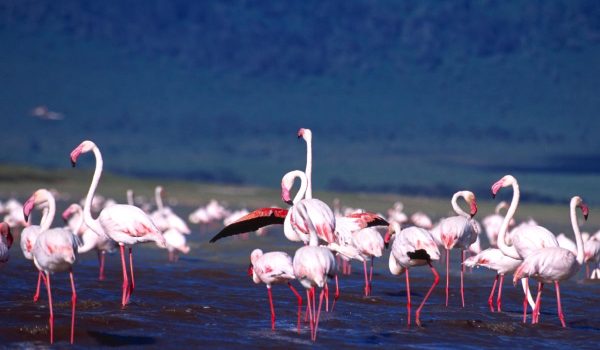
[
  {"x": 305, "y": 134},
  {"x": 73, "y": 208},
  {"x": 159, "y": 190},
  {"x": 37, "y": 198},
  {"x": 250, "y": 269},
  {"x": 584, "y": 207},
  {"x": 393, "y": 228},
  {"x": 506, "y": 181},
  {"x": 470, "y": 197},
  {"x": 83, "y": 147},
  {"x": 5, "y": 231},
  {"x": 287, "y": 182}
]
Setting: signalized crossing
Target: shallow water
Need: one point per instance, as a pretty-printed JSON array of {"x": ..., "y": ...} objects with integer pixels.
[{"x": 206, "y": 299}]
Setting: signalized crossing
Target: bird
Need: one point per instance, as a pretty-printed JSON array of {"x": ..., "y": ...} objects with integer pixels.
[
  {"x": 55, "y": 250},
  {"x": 591, "y": 253},
  {"x": 492, "y": 223},
  {"x": 554, "y": 264},
  {"x": 459, "y": 232},
  {"x": 89, "y": 239},
  {"x": 164, "y": 218},
  {"x": 413, "y": 246},
  {"x": 370, "y": 245},
  {"x": 176, "y": 242},
  {"x": 494, "y": 259},
  {"x": 125, "y": 224},
  {"x": 566, "y": 242},
  {"x": 525, "y": 238},
  {"x": 42, "y": 198},
  {"x": 6, "y": 241},
  {"x": 273, "y": 268}
]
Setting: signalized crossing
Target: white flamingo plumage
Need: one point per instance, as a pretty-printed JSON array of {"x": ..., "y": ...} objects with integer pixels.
[
  {"x": 525, "y": 238},
  {"x": 459, "y": 232},
  {"x": 125, "y": 224},
  {"x": 413, "y": 246},
  {"x": 164, "y": 218},
  {"x": 554, "y": 264},
  {"x": 273, "y": 268},
  {"x": 43, "y": 199},
  {"x": 55, "y": 250},
  {"x": 89, "y": 239}
]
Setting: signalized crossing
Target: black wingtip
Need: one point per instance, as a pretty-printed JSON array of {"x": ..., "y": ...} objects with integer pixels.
[{"x": 73, "y": 163}]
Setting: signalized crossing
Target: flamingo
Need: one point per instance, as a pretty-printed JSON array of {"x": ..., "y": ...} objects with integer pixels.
[
  {"x": 492, "y": 223},
  {"x": 494, "y": 259},
  {"x": 271, "y": 268},
  {"x": 6, "y": 241},
  {"x": 90, "y": 239},
  {"x": 176, "y": 242},
  {"x": 413, "y": 246},
  {"x": 554, "y": 264},
  {"x": 591, "y": 253},
  {"x": 41, "y": 198},
  {"x": 567, "y": 243},
  {"x": 422, "y": 220},
  {"x": 459, "y": 232},
  {"x": 55, "y": 250},
  {"x": 525, "y": 238},
  {"x": 164, "y": 218},
  {"x": 370, "y": 244},
  {"x": 125, "y": 224}
]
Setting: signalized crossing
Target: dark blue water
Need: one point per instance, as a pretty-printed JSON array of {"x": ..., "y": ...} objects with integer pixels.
[{"x": 207, "y": 300}]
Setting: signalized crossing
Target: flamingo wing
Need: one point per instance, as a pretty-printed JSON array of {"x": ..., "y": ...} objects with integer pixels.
[
  {"x": 371, "y": 219},
  {"x": 252, "y": 222}
]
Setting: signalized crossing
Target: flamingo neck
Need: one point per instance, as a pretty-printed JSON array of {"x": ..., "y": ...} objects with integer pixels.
[
  {"x": 303, "y": 187},
  {"x": 79, "y": 223},
  {"x": 130, "y": 197},
  {"x": 87, "y": 211},
  {"x": 158, "y": 198},
  {"x": 308, "y": 170},
  {"x": 506, "y": 249},
  {"x": 48, "y": 214},
  {"x": 455, "y": 206},
  {"x": 578, "y": 239}
]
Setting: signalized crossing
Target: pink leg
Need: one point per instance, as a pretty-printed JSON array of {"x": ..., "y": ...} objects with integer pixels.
[
  {"x": 131, "y": 269},
  {"x": 535, "y": 318},
  {"x": 499, "y": 300},
  {"x": 561, "y": 316},
  {"x": 73, "y": 302},
  {"x": 337, "y": 293},
  {"x": 272, "y": 308},
  {"x": 587, "y": 270},
  {"x": 366, "y": 278},
  {"x": 349, "y": 268},
  {"x": 491, "y": 298},
  {"x": 525, "y": 302},
  {"x": 36, "y": 296},
  {"x": 462, "y": 274},
  {"x": 314, "y": 305},
  {"x": 435, "y": 283},
  {"x": 299, "y": 303},
  {"x": 447, "y": 274},
  {"x": 371, "y": 271},
  {"x": 318, "y": 316},
  {"x": 326, "y": 297},
  {"x": 408, "y": 304},
  {"x": 309, "y": 309},
  {"x": 101, "y": 256},
  {"x": 125, "y": 297},
  {"x": 51, "y": 320}
]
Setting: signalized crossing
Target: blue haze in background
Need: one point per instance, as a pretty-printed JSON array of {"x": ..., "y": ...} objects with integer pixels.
[{"x": 412, "y": 97}]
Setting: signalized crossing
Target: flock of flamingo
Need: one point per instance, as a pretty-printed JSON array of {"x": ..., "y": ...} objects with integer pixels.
[{"x": 330, "y": 239}]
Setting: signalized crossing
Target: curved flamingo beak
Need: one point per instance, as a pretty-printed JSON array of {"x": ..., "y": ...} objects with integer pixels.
[
  {"x": 473, "y": 207},
  {"x": 387, "y": 237},
  {"x": 75, "y": 154},
  {"x": 496, "y": 187},
  {"x": 250, "y": 269},
  {"x": 585, "y": 210},
  {"x": 300, "y": 133},
  {"x": 66, "y": 214},
  {"x": 285, "y": 195},
  {"x": 28, "y": 207}
]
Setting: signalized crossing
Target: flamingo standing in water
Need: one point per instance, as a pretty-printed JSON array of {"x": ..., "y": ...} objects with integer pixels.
[
  {"x": 413, "y": 246},
  {"x": 270, "y": 268},
  {"x": 55, "y": 250},
  {"x": 459, "y": 232},
  {"x": 41, "y": 198},
  {"x": 525, "y": 238},
  {"x": 554, "y": 264},
  {"x": 90, "y": 239},
  {"x": 125, "y": 224},
  {"x": 6, "y": 241}
]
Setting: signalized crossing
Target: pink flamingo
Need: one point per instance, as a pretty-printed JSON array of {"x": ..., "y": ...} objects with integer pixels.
[
  {"x": 492, "y": 258},
  {"x": 492, "y": 223},
  {"x": 270, "y": 268},
  {"x": 125, "y": 224},
  {"x": 55, "y": 250},
  {"x": 6, "y": 241},
  {"x": 526, "y": 238},
  {"x": 90, "y": 239},
  {"x": 44, "y": 199},
  {"x": 554, "y": 264},
  {"x": 459, "y": 232},
  {"x": 413, "y": 246}
]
